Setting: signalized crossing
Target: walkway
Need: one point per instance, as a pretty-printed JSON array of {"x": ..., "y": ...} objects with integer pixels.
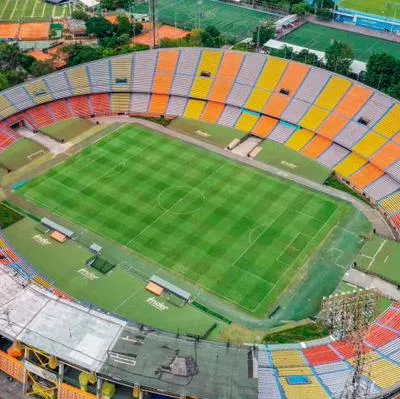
[
  {"x": 52, "y": 145},
  {"x": 363, "y": 280},
  {"x": 374, "y": 217}
]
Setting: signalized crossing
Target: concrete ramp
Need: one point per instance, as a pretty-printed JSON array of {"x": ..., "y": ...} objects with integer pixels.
[{"x": 247, "y": 146}]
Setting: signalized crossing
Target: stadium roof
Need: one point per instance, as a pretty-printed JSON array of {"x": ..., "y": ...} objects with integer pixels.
[{"x": 96, "y": 341}]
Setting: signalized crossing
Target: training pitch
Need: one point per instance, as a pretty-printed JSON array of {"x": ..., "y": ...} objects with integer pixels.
[
  {"x": 226, "y": 227},
  {"x": 14, "y": 10},
  {"x": 318, "y": 37},
  {"x": 229, "y": 19},
  {"x": 382, "y": 8}
]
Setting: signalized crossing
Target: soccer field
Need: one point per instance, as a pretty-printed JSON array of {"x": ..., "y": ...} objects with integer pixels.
[
  {"x": 13, "y": 10},
  {"x": 381, "y": 257},
  {"x": 378, "y": 7},
  {"x": 229, "y": 19},
  {"x": 320, "y": 38},
  {"x": 226, "y": 227}
]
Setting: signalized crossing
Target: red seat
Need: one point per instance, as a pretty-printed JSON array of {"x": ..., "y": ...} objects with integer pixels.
[{"x": 100, "y": 104}]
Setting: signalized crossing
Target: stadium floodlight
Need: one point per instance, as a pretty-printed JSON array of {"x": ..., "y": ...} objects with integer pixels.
[{"x": 348, "y": 316}]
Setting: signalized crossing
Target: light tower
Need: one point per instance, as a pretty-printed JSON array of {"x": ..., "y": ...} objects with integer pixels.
[
  {"x": 348, "y": 317},
  {"x": 153, "y": 16}
]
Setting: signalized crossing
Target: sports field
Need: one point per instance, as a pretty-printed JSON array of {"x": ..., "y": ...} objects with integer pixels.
[
  {"x": 228, "y": 228},
  {"x": 229, "y": 19},
  {"x": 382, "y": 8},
  {"x": 14, "y": 10},
  {"x": 381, "y": 257},
  {"x": 320, "y": 38}
]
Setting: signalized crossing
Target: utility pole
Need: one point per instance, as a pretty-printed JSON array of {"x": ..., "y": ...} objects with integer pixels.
[{"x": 153, "y": 14}]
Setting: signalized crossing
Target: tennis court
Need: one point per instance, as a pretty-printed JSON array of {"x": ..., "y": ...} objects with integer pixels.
[
  {"x": 318, "y": 37},
  {"x": 229, "y": 19},
  {"x": 228, "y": 228},
  {"x": 14, "y": 10}
]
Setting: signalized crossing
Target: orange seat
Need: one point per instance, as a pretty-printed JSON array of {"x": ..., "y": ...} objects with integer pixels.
[
  {"x": 365, "y": 176},
  {"x": 316, "y": 147},
  {"x": 264, "y": 127}
]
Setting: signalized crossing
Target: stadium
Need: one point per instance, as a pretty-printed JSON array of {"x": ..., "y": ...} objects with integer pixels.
[{"x": 191, "y": 201}]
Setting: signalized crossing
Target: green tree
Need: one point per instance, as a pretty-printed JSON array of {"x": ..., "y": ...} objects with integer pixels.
[
  {"x": 329, "y": 4},
  {"x": 300, "y": 9},
  {"x": 3, "y": 81},
  {"x": 80, "y": 14},
  {"x": 394, "y": 91},
  {"x": 15, "y": 77},
  {"x": 78, "y": 54},
  {"x": 339, "y": 57},
  {"x": 40, "y": 68},
  {"x": 211, "y": 37},
  {"x": 99, "y": 27},
  {"x": 124, "y": 26},
  {"x": 263, "y": 33},
  {"x": 382, "y": 71},
  {"x": 324, "y": 13},
  {"x": 137, "y": 27}
]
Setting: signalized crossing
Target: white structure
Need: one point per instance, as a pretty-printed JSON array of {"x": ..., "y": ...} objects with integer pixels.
[
  {"x": 356, "y": 66},
  {"x": 89, "y": 3}
]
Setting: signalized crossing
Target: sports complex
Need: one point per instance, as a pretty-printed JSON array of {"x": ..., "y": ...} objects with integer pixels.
[{"x": 162, "y": 209}]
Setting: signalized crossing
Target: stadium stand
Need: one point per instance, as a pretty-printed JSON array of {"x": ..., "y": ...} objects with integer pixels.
[
  {"x": 347, "y": 127},
  {"x": 80, "y": 106}
]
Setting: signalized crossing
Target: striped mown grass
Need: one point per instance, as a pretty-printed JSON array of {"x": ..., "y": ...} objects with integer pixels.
[{"x": 231, "y": 229}]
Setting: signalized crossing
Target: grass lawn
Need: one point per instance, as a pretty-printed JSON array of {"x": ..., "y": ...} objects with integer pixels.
[
  {"x": 319, "y": 38},
  {"x": 37, "y": 9},
  {"x": 302, "y": 333},
  {"x": 229, "y": 19},
  {"x": 21, "y": 153},
  {"x": 381, "y": 257},
  {"x": 226, "y": 227},
  {"x": 67, "y": 130},
  {"x": 286, "y": 159},
  {"x": 214, "y": 134},
  {"x": 118, "y": 292},
  {"x": 378, "y": 7},
  {"x": 8, "y": 216}
]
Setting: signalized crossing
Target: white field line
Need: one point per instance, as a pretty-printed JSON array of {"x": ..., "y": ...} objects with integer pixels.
[
  {"x": 44, "y": 9},
  {"x": 24, "y": 8},
  {"x": 290, "y": 267},
  {"x": 4, "y": 8},
  {"x": 376, "y": 254},
  {"x": 13, "y": 11},
  {"x": 34, "y": 9}
]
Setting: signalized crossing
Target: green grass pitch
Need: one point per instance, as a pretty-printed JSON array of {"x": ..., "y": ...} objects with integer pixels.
[
  {"x": 226, "y": 227},
  {"x": 319, "y": 38},
  {"x": 381, "y": 257},
  {"x": 229, "y": 19},
  {"x": 14, "y": 10},
  {"x": 378, "y": 7}
]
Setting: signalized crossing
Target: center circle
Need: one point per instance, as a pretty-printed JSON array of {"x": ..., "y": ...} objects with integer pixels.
[{"x": 181, "y": 200}]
